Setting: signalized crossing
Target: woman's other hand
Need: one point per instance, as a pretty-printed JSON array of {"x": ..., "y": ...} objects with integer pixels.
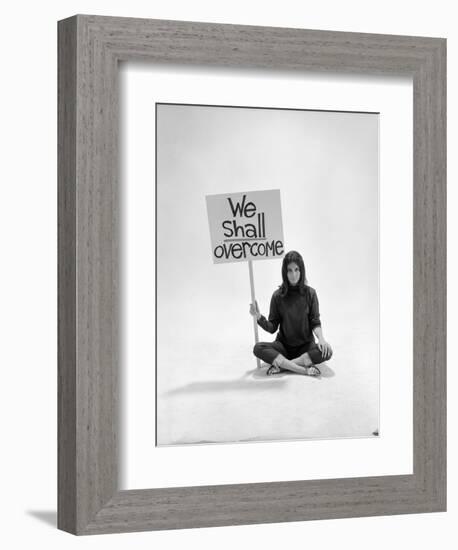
[
  {"x": 254, "y": 310},
  {"x": 325, "y": 348}
]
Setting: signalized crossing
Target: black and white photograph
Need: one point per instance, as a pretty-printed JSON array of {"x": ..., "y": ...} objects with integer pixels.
[
  {"x": 225, "y": 308},
  {"x": 267, "y": 274}
]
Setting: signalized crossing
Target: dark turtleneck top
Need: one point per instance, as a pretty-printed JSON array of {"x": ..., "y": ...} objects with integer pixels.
[{"x": 297, "y": 315}]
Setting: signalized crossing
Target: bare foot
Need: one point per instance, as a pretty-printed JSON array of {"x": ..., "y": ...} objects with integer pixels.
[
  {"x": 312, "y": 371},
  {"x": 272, "y": 370}
]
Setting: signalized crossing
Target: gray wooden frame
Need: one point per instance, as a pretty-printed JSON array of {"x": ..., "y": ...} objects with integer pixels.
[{"x": 90, "y": 48}]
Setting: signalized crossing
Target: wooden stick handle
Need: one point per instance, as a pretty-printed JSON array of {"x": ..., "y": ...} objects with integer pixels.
[{"x": 253, "y": 301}]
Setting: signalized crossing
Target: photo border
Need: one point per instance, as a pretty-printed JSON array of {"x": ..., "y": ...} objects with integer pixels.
[
  {"x": 222, "y": 106},
  {"x": 90, "y": 49}
]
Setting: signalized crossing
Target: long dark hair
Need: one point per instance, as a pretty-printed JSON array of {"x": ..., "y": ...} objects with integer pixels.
[{"x": 290, "y": 257}]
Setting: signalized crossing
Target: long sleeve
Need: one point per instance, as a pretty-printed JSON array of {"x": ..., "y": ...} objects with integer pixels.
[
  {"x": 271, "y": 325},
  {"x": 314, "y": 314}
]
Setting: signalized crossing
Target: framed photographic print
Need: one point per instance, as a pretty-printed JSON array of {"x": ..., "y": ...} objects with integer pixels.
[{"x": 251, "y": 274}]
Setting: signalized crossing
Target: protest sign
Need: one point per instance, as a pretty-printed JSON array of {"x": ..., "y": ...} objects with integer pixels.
[{"x": 245, "y": 226}]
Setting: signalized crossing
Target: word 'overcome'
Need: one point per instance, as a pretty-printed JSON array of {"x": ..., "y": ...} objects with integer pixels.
[{"x": 246, "y": 239}]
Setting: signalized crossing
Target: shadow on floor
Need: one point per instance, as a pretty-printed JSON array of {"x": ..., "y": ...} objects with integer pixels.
[
  {"x": 45, "y": 516},
  {"x": 243, "y": 383},
  {"x": 226, "y": 385},
  {"x": 326, "y": 372}
]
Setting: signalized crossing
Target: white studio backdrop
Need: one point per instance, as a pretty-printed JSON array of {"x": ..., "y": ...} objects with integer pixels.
[
  {"x": 325, "y": 165},
  {"x": 213, "y": 397},
  {"x": 28, "y": 290}
]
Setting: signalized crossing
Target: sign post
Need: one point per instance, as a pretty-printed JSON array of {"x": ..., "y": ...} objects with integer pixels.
[
  {"x": 246, "y": 227},
  {"x": 253, "y": 301}
]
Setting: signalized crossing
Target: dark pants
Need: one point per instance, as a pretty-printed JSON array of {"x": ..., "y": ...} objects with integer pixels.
[{"x": 268, "y": 351}]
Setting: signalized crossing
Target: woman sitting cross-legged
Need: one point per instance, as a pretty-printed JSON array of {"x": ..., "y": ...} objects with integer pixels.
[{"x": 294, "y": 310}]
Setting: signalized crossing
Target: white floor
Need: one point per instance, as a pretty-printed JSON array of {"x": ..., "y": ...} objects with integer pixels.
[{"x": 230, "y": 400}]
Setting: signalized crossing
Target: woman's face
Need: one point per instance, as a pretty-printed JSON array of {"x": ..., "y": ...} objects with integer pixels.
[{"x": 293, "y": 273}]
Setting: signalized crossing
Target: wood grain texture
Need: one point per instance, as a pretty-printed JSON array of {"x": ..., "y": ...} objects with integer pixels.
[
  {"x": 90, "y": 48},
  {"x": 67, "y": 437}
]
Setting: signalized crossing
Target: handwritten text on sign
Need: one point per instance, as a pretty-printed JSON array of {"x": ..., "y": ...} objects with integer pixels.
[{"x": 245, "y": 226}]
